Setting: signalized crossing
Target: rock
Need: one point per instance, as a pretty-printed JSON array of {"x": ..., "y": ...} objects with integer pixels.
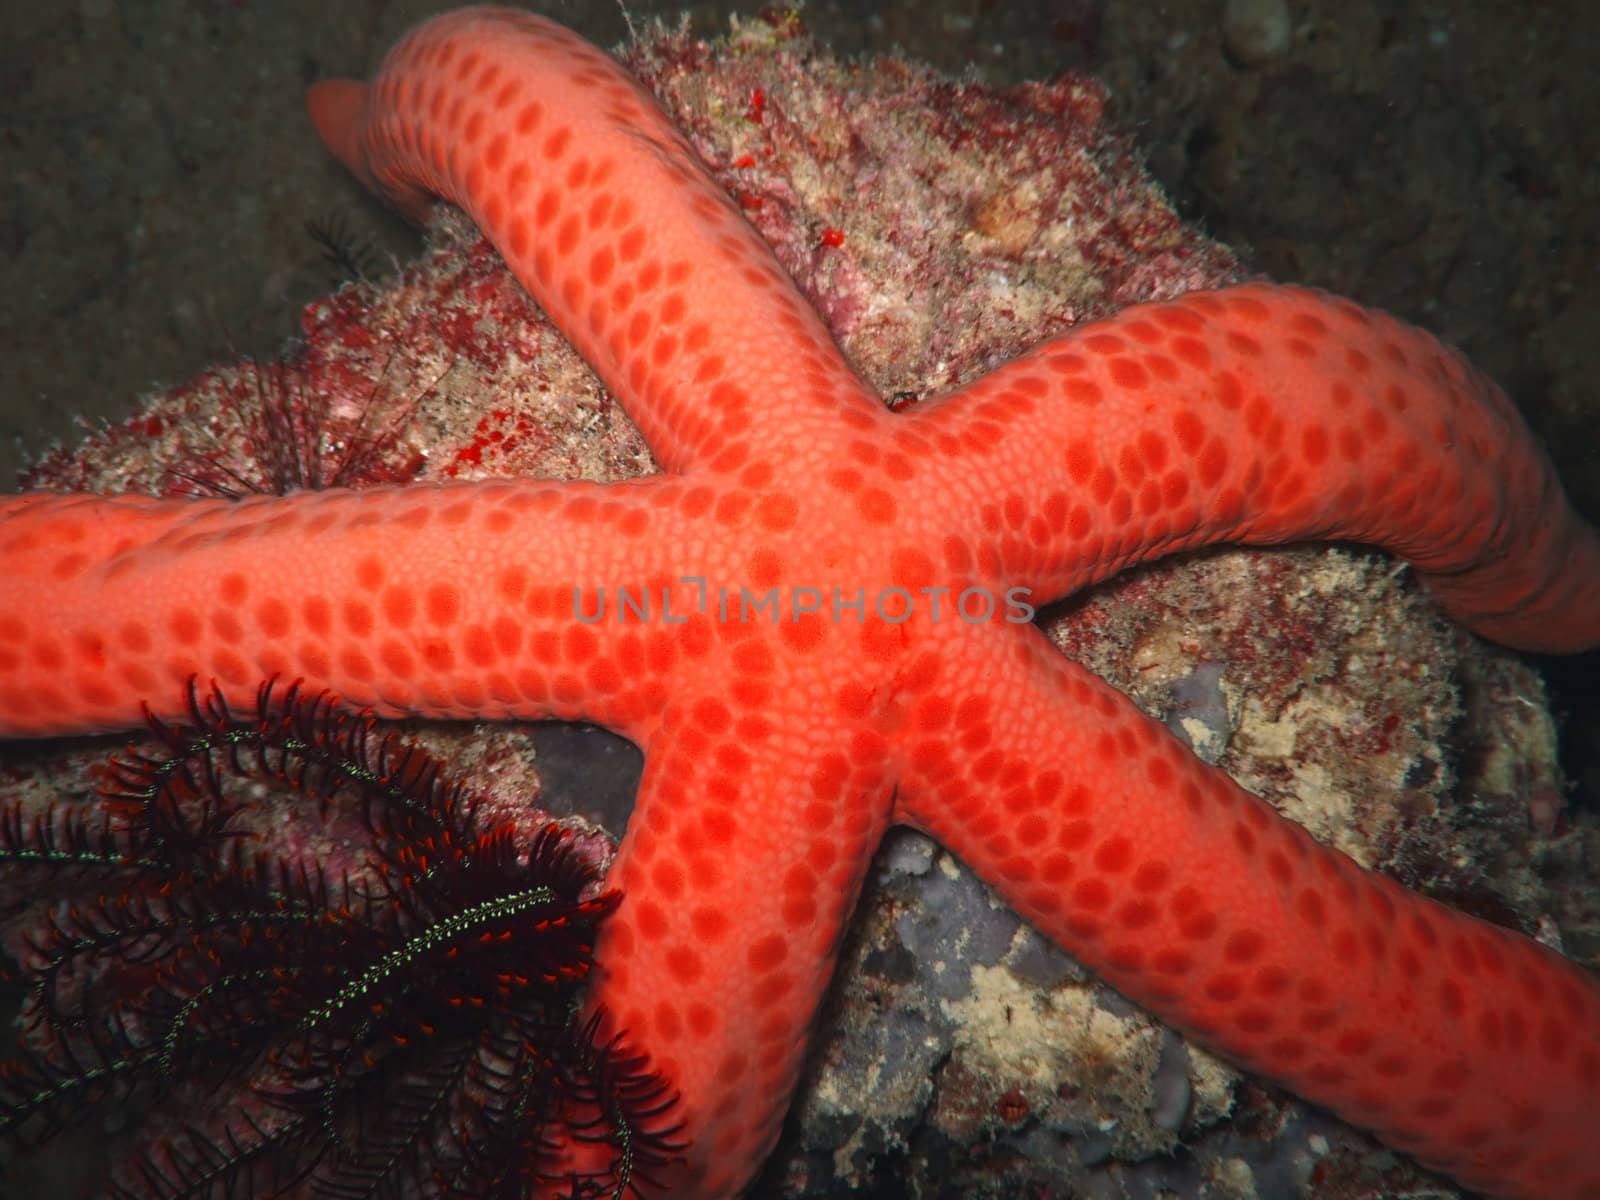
[{"x": 1255, "y": 32}]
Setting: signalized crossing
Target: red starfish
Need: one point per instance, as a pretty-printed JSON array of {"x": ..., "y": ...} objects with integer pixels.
[{"x": 779, "y": 750}]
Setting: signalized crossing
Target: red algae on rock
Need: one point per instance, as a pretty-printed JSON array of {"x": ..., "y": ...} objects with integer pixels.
[{"x": 941, "y": 228}]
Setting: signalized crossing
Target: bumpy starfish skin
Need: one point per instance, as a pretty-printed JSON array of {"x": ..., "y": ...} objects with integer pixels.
[{"x": 778, "y": 752}]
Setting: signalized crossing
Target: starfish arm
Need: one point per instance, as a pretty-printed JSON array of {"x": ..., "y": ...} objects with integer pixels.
[
  {"x": 1473, "y": 1048},
  {"x": 605, "y": 214},
  {"x": 450, "y": 600},
  {"x": 743, "y": 859},
  {"x": 1267, "y": 415}
]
